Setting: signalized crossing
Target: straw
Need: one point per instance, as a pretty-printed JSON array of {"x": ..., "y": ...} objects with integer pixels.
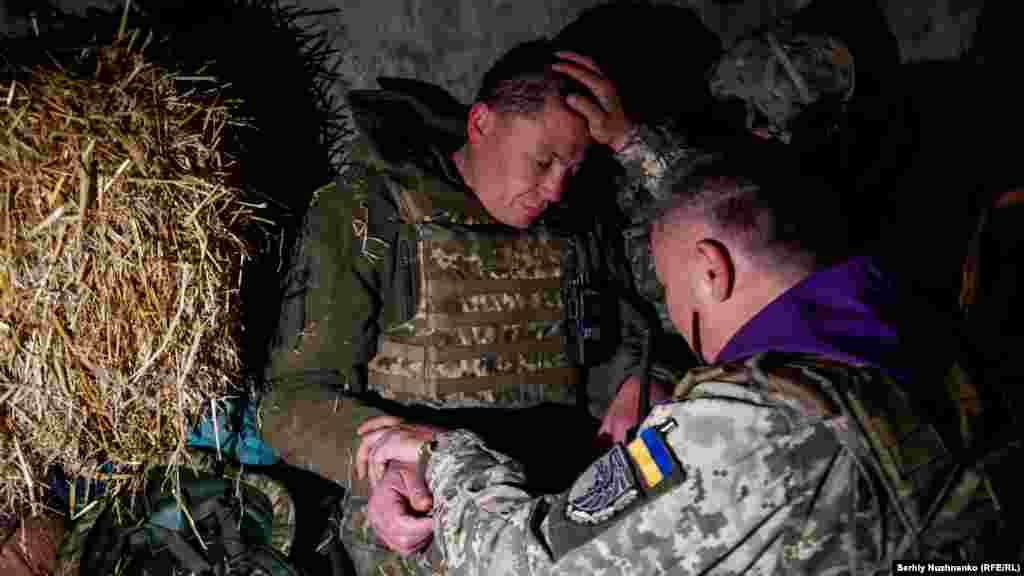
[{"x": 121, "y": 247}]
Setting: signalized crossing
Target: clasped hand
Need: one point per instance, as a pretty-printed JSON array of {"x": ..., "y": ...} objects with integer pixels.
[{"x": 399, "y": 501}]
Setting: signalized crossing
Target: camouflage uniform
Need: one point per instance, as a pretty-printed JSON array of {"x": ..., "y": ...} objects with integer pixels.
[{"x": 780, "y": 464}]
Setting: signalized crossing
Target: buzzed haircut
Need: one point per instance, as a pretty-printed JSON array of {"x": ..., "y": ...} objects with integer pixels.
[
  {"x": 522, "y": 79},
  {"x": 780, "y": 216}
]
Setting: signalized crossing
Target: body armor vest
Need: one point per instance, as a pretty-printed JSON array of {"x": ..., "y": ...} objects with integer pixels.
[{"x": 479, "y": 310}]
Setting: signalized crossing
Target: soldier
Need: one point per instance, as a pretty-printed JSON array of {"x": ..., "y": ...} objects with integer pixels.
[
  {"x": 804, "y": 448},
  {"x": 450, "y": 297}
]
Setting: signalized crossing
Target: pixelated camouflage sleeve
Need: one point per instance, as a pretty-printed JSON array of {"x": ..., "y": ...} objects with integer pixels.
[
  {"x": 650, "y": 155},
  {"x": 653, "y": 158},
  {"x": 736, "y": 501},
  {"x": 481, "y": 510}
]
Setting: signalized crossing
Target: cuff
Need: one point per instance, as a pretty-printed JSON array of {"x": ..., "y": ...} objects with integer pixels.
[
  {"x": 442, "y": 457},
  {"x": 650, "y": 154}
]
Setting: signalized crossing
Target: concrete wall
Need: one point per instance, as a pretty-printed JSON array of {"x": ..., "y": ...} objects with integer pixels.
[{"x": 452, "y": 42}]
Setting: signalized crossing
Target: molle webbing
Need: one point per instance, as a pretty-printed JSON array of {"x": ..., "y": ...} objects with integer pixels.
[
  {"x": 441, "y": 290},
  {"x": 427, "y": 354},
  {"x": 439, "y": 387},
  {"x": 486, "y": 310}
]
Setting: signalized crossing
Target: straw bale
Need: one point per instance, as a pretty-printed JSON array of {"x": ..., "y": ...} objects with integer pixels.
[{"x": 122, "y": 246}]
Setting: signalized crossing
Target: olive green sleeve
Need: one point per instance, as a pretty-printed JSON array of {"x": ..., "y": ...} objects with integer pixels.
[
  {"x": 333, "y": 313},
  {"x": 344, "y": 267},
  {"x": 366, "y": 250}
]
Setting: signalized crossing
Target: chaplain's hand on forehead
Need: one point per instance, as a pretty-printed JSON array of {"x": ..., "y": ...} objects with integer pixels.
[{"x": 606, "y": 119}]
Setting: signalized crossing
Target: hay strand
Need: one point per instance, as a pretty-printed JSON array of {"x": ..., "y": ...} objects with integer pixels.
[{"x": 121, "y": 245}]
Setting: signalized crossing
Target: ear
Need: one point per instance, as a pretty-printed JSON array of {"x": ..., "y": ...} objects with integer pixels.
[
  {"x": 715, "y": 272},
  {"x": 480, "y": 121}
]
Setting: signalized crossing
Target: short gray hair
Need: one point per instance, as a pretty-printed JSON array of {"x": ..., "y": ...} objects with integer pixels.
[{"x": 779, "y": 216}]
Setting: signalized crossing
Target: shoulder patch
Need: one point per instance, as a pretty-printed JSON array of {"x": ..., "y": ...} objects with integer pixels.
[
  {"x": 652, "y": 456},
  {"x": 607, "y": 487},
  {"x": 611, "y": 488}
]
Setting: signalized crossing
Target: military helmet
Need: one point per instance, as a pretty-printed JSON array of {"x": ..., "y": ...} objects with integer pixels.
[{"x": 779, "y": 73}]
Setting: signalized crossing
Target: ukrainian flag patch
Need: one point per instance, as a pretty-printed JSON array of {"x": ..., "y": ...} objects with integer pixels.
[{"x": 651, "y": 456}]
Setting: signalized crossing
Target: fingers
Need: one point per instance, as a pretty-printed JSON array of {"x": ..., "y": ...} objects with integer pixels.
[
  {"x": 614, "y": 428},
  {"x": 597, "y": 84},
  {"x": 408, "y": 534},
  {"x": 606, "y": 427},
  {"x": 389, "y": 512},
  {"x": 367, "y": 444},
  {"x": 377, "y": 423},
  {"x": 622, "y": 413},
  {"x": 586, "y": 107},
  {"x": 618, "y": 431},
  {"x": 379, "y": 458},
  {"x": 581, "y": 60},
  {"x": 382, "y": 446},
  {"x": 605, "y": 116},
  {"x": 587, "y": 72},
  {"x": 388, "y": 438},
  {"x": 418, "y": 493}
]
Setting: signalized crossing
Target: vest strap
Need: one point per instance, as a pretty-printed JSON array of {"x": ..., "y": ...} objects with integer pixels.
[
  {"x": 443, "y": 320},
  {"x": 436, "y": 387},
  {"x": 443, "y": 289},
  {"x": 432, "y": 353}
]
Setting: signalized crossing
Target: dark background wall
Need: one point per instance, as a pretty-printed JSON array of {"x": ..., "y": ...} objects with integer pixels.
[
  {"x": 452, "y": 42},
  {"x": 917, "y": 148}
]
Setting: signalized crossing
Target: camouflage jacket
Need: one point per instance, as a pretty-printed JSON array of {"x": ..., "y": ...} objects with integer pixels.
[{"x": 779, "y": 464}]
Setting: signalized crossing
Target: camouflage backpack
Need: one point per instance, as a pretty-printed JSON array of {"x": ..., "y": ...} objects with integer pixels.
[{"x": 242, "y": 526}]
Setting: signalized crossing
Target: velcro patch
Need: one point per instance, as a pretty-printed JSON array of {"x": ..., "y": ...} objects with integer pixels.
[
  {"x": 651, "y": 456},
  {"x": 606, "y": 488}
]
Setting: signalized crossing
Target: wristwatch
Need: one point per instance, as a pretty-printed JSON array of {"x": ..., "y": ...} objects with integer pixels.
[{"x": 426, "y": 450}]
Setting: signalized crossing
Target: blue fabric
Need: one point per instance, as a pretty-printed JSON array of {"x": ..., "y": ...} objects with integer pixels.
[
  {"x": 245, "y": 445},
  {"x": 658, "y": 451},
  {"x": 86, "y": 489}
]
